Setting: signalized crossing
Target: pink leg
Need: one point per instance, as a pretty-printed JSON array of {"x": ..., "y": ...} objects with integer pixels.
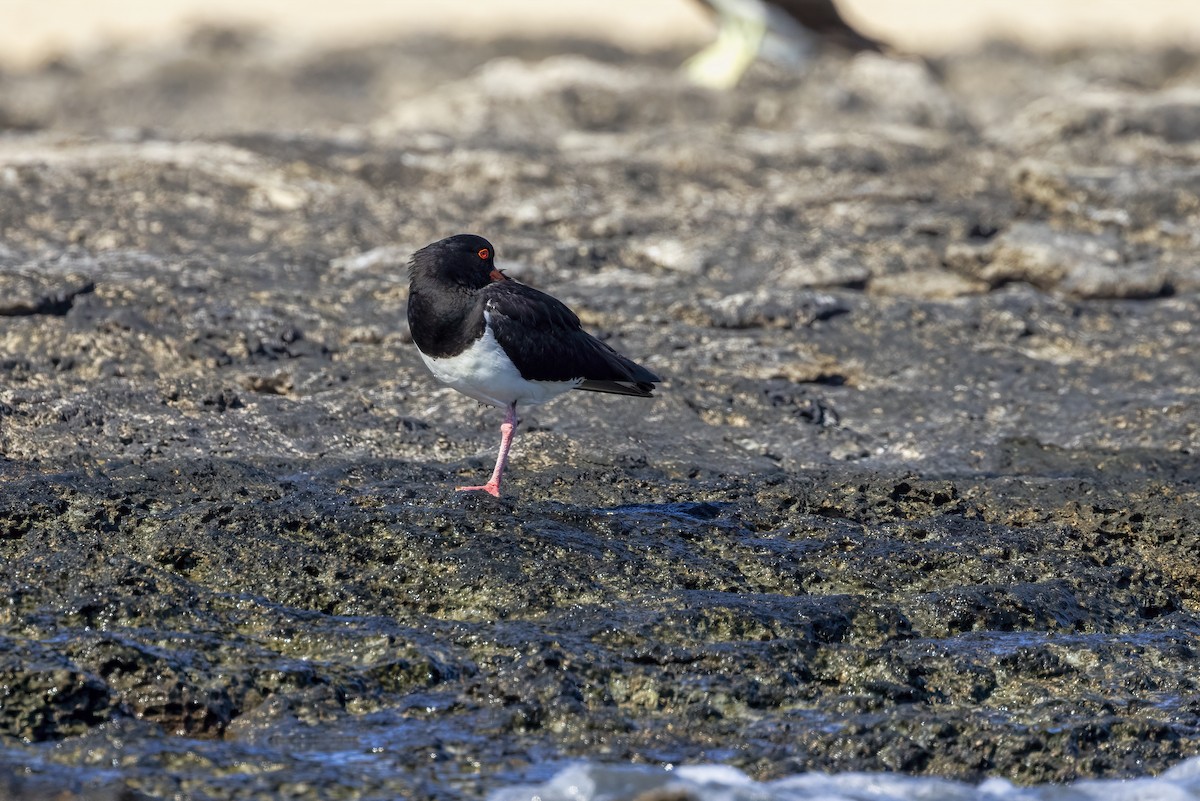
[{"x": 506, "y": 438}]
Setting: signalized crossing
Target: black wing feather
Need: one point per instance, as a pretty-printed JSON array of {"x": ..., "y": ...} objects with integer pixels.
[
  {"x": 546, "y": 342},
  {"x": 823, "y": 17}
]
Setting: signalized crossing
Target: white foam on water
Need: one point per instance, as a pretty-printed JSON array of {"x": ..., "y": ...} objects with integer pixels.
[{"x": 587, "y": 781}]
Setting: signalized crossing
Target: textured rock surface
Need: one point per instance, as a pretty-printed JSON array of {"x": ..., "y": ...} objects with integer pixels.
[{"x": 920, "y": 492}]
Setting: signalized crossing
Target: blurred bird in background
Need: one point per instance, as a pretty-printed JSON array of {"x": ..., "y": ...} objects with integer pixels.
[{"x": 782, "y": 30}]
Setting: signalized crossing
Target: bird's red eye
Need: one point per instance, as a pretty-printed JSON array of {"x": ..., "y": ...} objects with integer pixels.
[{"x": 484, "y": 253}]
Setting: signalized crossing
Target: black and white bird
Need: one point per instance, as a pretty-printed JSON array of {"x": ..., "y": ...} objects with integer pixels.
[
  {"x": 504, "y": 343},
  {"x": 785, "y": 29}
]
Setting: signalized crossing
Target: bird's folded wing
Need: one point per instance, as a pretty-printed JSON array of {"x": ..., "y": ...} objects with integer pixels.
[{"x": 545, "y": 342}]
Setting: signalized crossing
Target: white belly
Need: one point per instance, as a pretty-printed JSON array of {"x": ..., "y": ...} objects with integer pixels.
[{"x": 484, "y": 372}]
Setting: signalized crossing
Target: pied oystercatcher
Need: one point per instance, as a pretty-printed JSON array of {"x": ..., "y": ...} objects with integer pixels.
[
  {"x": 502, "y": 342},
  {"x": 744, "y": 26}
]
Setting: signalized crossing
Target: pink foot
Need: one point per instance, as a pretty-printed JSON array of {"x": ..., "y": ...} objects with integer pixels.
[
  {"x": 492, "y": 487},
  {"x": 506, "y": 435}
]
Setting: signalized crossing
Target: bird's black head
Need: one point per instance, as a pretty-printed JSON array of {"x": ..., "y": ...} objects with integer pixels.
[{"x": 462, "y": 260}]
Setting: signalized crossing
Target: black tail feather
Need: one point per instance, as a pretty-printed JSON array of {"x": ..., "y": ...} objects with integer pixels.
[{"x": 640, "y": 389}]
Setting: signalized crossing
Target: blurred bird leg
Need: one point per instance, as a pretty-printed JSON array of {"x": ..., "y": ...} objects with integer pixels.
[{"x": 721, "y": 64}]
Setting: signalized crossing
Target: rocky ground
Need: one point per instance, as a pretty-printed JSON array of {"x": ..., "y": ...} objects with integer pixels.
[{"x": 919, "y": 492}]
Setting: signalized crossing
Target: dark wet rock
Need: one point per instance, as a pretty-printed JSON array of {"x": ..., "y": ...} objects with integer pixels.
[
  {"x": 934, "y": 284},
  {"x": 763, "y": 308},
  {"x": 18, "y": 785},
  {"x": 1170, "y": 115},
  {"x": 918, "y": 492},
  {"x": 46, "y": 696},
  {"x": 511, "y": 97},
  {"x": 1084, "y": 265},
  {"x": 901, "y": 91},
  {"x": 26, "y": 292},
  {"x": 1155, "y": 200}
]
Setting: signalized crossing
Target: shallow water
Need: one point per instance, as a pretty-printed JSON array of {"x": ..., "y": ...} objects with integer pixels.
[{"x": 597, "y": 782}]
